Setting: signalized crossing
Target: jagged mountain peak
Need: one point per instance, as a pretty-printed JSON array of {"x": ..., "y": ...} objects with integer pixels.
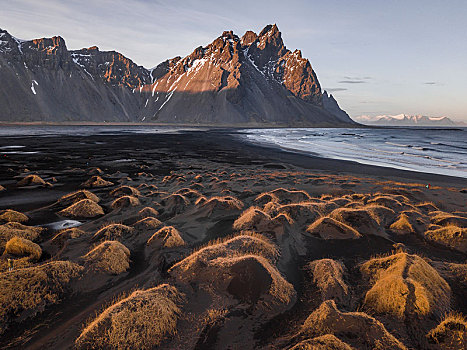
[
  {"x": 252, "y": 80},
  {"x": 248, "y": 38}
]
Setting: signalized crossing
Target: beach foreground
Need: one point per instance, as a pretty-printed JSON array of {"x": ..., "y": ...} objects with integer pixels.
[{"x": 198, "y": 240}]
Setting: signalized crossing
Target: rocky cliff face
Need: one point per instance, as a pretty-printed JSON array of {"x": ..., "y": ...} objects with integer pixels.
[{"x": 250, "y": 81}]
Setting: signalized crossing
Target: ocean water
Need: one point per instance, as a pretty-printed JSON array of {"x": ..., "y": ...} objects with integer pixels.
[{"x": 431, "y": 150}]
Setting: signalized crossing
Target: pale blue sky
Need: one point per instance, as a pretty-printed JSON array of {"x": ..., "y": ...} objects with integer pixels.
[{"x": 377, "y": 57}]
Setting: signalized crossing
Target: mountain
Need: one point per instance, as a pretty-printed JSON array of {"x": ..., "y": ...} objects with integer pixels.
[
  {"x": 406, "y": 120},
  {"x": 249, "y": 81}
]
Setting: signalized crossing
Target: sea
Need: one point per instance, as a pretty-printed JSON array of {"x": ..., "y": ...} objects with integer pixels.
[{"x": 430, "y": 150}]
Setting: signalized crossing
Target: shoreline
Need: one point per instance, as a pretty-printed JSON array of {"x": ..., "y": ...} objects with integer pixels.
[
  {"x": 227, "y": 139},
  {"x": 300, "y": 158}
]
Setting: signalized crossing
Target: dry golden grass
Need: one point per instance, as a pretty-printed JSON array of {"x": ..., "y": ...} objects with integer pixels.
[
  {"x": 148, "y": 212},
  {"x": 31, "y": 180},
  {"x": 175, "y": 203},
  {"x": 444, "y": 219},
  {"x": 381, "y": 214},
  {"x": 324, "y": 342},
  {"x": 148, "y": 223},
  {"x": 143, "y": 320},
  {"x": 9, "y": 215},
  {"x": 24, "y": 292},
  {"x": 219, "y": 205},
  {"x": 267, "y": 197},
  {"x": 247, "y": 242},
  {"x": 328, "y": 228},
  {"x": 166, "y": 237},
  {"x": 189, "y": 193},
  {"x": 356, "y": 328},
  {"x": 85, "y": 208},
  {"x": 290, "y": 196},
  {"x": 75, "y": 197},
  {"x": 271, "y": 208},
  {"x": 386, "y": 201},
  {"x": 451, "y": 236},
  {"x": 240, "y": 266},
  {"x": 96, "y": 181},
  {"x": 124, "y": 202},
  {"x": 125, "y": 191},
  {"x": 450, "y": 334},
  {"x": 328, "y": 275},
  {"x": 405, "y": 285},
  {"x": 69, "y": 233},
  {"x": 112, "y": 232},
  {"x": 249, "y": 278},
  {"x": 360, "y": 219},
  {"x": 402, "y": 225},
  {"x": 303, "y": 213},
  {"x": 12, "y": 229},
  {"x": 427, "y": 207},
  {"x": 109, "y": 257},
  {"x": 252, "y": 218},
  {"x": 21, "y": 247}
]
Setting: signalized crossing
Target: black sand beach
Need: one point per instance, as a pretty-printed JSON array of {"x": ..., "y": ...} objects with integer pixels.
[{"x": 206, "y": 185}]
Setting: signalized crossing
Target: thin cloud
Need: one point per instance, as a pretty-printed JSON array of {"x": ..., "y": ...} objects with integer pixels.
[
  {"x": 336, "y": 89},
  {"x": 352, "y": 82},
  {"x": 431, "y": 83}
]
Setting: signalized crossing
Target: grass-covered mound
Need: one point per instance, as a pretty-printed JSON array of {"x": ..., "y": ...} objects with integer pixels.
[
  {"x": 175, "y": 204},
  {"x": 24, "y": 292},
  {"x": 328, "y": 276},
  {"x": 110, "y": 257},
  {"x": 113, "y": 232},
  {"x": 148, "y": 212},
  {"x": 143, "y": 320},
  {"x": 147, "y": 223},
  {"x": 324, "y": 342},
  {"x": 450, "y": 236},
  {"x": 31, "y": 180},
  {"x": 96, "y": 181},
  {"x": 402, "y": 225},
  {"x": 12, "y": 229},
  {"x": 85, "y": 208},
  {"x": 125, "y": 191},
  {"x": 166, "y": 237},
  {"x": 354, "y": 328},
  {"x": 9, "y": 215},
  {"x": 450, "y": 334},
  {"x": 77, "y": 196},
  {"x": 444, "y": 219},
  {"x": 329, "y": 228},
  {"x": 125, "y": 202},
  {"x": 21, "y": 247},
  {"x": 66, "y": 234},
  {"x": 219, "y": 205},
  {"x": 255, "y": 219},
  {"x": 404, "y": 285},
  {"x": 240, "y": 267},
  {"x": 360, "y": 219}
]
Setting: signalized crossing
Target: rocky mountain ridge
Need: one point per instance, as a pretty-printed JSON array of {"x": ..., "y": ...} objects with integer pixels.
[{"x": 253, "y": 80}]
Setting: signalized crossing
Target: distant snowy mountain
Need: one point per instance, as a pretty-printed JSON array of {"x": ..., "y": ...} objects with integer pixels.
[{"x": 406, "y": 120}]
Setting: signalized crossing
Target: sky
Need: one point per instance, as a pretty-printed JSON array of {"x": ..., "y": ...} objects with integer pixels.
[{"x": 376, "y": 57}]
